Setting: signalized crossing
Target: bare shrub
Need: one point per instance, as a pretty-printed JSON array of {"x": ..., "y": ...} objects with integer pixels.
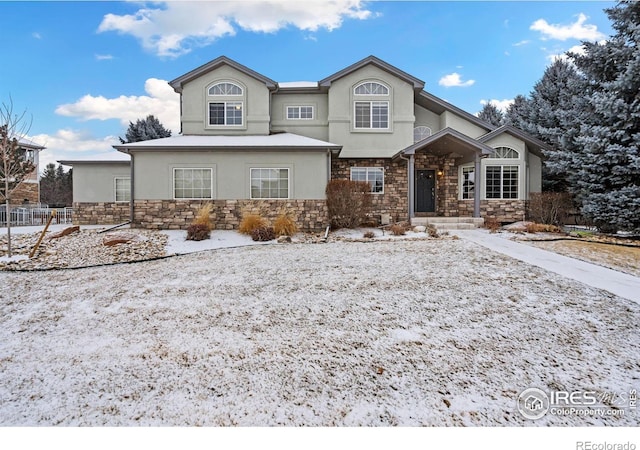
[
  {"x": 492, "y": 224},
  {"x": 251, "y": 222},
  {"x": 263, "y": 234},
  {"x": 369, "y": 235},
  {"x": 348, "y": 202},
  {"x": 551, "y": 208},
  {"x": 198, "y": 232},
  {"x": 201, "y": 226},
  {"x": 432, "y": 231}
]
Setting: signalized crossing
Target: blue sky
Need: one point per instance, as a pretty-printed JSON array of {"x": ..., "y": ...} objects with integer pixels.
[{"x": 83, "y": 70}]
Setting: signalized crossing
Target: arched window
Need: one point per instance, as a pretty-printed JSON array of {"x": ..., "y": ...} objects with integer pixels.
[
  {"x": 371, "y": 88},
  {"x": 505, "y": 153},
  {"x": 225, "y": 88},
  {"x": 226, "y": 105},
  {"x": 370, "y": 114},
  {"x": 420, "y": 133}
]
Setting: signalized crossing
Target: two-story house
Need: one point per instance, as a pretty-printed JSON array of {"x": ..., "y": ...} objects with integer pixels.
[
  {"x": 28, "y": 191},
  {"x": 246, "y": 138}
]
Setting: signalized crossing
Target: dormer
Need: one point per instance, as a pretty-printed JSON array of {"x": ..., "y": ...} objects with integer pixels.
[{"x": 224, "y": 97}]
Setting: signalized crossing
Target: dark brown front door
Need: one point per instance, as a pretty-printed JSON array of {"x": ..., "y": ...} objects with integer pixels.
[{"x": 425, "y": 191}]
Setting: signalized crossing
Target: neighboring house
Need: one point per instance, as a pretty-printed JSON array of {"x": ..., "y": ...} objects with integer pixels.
[
  {"x": 247, "y": 139},
  {"x": 28, "y": 192}
]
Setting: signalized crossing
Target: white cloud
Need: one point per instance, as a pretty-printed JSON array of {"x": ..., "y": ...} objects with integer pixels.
[
  {"x": 103, "y": 57},
  {"x": 521, "y": 43},
  {"x": 161, "y": 101},
  {"x": 72, "y": 144},
  {"x": 577, "y": 30},
  {"x": 502, "y": 105},
  {"x": 173, "y": 28},
  {"x": 577, "y": 49},
  {"x": 454, "y": 80}
]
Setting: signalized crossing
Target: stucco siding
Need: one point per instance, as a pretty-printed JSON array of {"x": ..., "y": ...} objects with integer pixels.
[
  {"x": 535, "y": 173},
  {"x": 451, "y": 120},
  {"x": 195, "y": 104},
  {"x": 96, "y": 182},
  {"x": 371, "y": 142},
  {"x": 427, "y": 118},
  {"x": 316, "y": 128},
  {"x": 231, "y": 172}
]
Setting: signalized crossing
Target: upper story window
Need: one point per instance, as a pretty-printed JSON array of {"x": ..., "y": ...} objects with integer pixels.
[
  {"x": 226, "y": 104},
  {"x": 371, "y": 88},
  {"x": 420, "y": 133},
  {"x": 505, "y": 153},
  {"x": 225, "y": 88},
  {"x": 299, "y": 112},
  {"x": 371, "y": 113}
]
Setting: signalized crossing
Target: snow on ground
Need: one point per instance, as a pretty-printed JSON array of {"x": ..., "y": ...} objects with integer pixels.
[
  {"x": 178, "y": 245},
  {"x": 413, "y": 332}
]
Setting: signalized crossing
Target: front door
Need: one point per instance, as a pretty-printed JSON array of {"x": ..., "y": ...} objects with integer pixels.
[{"x": 425, "y": 191}]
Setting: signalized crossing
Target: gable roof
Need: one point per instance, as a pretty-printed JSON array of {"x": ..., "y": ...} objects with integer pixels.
[
  {"x": 372, "y": 60},
  {"x": 438, "y": 106},
  {"x": 26, "y": 143},
  {"x": 536, "y": 146},
  {"x": 179, "y": 82},
  {"x": 448, "y": 134}
]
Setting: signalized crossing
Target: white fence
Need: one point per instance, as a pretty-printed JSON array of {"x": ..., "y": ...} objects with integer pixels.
[{"x": 34, "y": 215}]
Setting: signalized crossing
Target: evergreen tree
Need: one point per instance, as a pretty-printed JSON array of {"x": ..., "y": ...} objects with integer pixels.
[
  {"x": 491, "y": 114},
  {"x": 145, "y": 130},
  {"x": 518, "y": 114},
  {"x": 56, "y": 187},
  {"x": 607, "y": 169}
]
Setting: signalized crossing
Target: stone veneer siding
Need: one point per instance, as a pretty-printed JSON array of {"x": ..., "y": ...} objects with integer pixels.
[
  {"x": 310, "y": 215},
  {"x": 102, "y": 213},
  {"x": 394, "y": 200},
  {"x": 500, "y": 210},
  {"x": 26, "y": 191}
]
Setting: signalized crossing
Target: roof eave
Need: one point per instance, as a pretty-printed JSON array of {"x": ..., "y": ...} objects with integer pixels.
[{"x": 415, "y": 82}]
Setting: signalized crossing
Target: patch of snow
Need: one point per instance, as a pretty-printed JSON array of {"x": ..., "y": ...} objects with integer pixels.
[
  {"x": 179, "y": 245},
  {"x": 14, "y": 258}
]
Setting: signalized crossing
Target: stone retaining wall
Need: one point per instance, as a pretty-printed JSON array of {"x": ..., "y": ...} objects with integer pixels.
[
  {"x": 102, "y": 213},
  {"x": 311, "y": 215}
]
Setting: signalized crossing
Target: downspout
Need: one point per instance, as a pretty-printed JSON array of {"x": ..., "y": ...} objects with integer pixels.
[
  {"x": 411, "y": 182},
  {"x": 132, "y": 194},
  {"x": 328, "y": 165},
  {"x": 477, "y": 187}
]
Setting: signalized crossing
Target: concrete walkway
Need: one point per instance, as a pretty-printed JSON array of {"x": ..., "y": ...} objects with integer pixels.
[{"x": 618, "y": 283}]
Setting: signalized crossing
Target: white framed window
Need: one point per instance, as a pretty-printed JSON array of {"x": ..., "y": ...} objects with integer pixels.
[
  {"x": 226, "y": 104},
  {"x": 371, "y": 88},
  {"x": 225, "y": 113},
  {"x": 122, "y": 189},
  {"x": 192, "y": 183},
  {"x": 372, "y": 175},
  {"x": 504, "y": 153},
  {"x": 502, "y": 182},
  {"x": 372, "y": 115},
  {"x": 225, "y": 88},
  {"x": 268, "y": 183},
  {"x": 420, "y": 133},
  {"x": 299, "y": 112},
  {"x": 467, "y": 182}
]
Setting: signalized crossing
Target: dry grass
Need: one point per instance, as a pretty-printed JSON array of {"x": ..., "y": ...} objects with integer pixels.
[
  {"x": 533, "y": 227},
  {"x": 251, "y": 222},
  {"x": 398, "y": 230},
  {"x": 617, "y": 257},
  {"x": 203, "y": 216},
  {"x": 285, "y": 225},
  {"x": 491, "y": 224}
]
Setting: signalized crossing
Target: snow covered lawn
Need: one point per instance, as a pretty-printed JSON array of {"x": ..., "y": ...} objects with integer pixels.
[{"x": 415, "y": 332}]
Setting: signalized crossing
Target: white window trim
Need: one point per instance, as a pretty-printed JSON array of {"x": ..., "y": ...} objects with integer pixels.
[
  {"x": 115, "y": 189},
  {"x": 251, "y": 197},
  {"x": 370, "y": 128},
  {"x": 422, "y": 128},
  {"x": 493, "y": 158},
  {"x": 173, "y": 183},
  {"x": 218, "y": 125},
  {"x": 372, "y": 95},
  {"x": 367, "y": 176},
  {"x": 502, "y": 166},
  {"x": 461, "y": 181},
  {"x": 241, "y": 94},
  {"x": 299, "y": 108}
]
